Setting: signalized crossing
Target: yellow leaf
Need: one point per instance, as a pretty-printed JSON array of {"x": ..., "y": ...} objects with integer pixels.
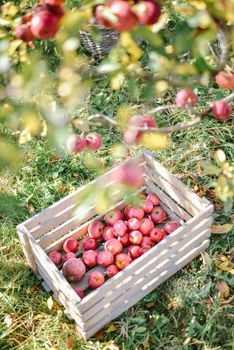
[
  {"x": 25, "y": 136},
  {"x": 221, "y": 229},
  {"x": 160, "y": 24},
  {"x": 44, "y": 128},
  {"x": 117, "y": 81},
  {"x": 225, "y": 267},
  {"x": 50, "y": 303},
  {"x": 130, "y": 46},
  {"x": 154, "y": 141},
  {"x": 111, "y": 328},
  {"x": 223, "y": 288}
]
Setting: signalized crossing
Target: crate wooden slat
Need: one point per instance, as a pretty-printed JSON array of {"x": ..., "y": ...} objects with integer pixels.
[{"x": 47, "y": 231}]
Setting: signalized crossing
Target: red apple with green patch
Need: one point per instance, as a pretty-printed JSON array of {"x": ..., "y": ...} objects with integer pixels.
[
  {"x": 112, "y": 270},
  {"x": 96, "y": 229},
  {"x": 70, "y": 245},
  {"x": 56, "y": 257},
  {"x": 114, "y": 246},
  {"x": 122, "y": 260},
  {"x": 90, "y": 258},
  {"x": 105, "y": 258},
  {"x": 135, "y": 237},
  {"x": 113, "y": 216},
  {"x": 96, "y": 279}
]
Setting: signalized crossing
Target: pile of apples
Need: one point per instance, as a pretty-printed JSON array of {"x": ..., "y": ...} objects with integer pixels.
[
  {"x": 42, "y": 23},
  {"x": 122, "y": 236}
]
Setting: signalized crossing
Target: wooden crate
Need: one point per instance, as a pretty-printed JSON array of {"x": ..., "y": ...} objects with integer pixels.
[{"x": 47, "y": 230}]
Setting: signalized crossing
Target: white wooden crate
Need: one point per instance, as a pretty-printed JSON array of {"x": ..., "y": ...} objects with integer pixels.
[{"x": 47, "y": 231}]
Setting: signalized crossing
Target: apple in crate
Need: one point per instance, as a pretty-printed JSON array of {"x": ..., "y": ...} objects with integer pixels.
[
  {"x": 56, "y": 257},
  {"x": 126, "y": 212},
  {"x": 135, "y": 251},
  {"x": 171, "y": 226},
  {"x": 68, "y": 256},
  {"x": 105, "y": 258},
  {"x": 133, "y": 224},
  {"x": 114, "y": 246},
  {"x": 120, "y": 228},
  {"x": 96, "y": 279},
  {"x": 158, "y": 215},
  {"x": 147, "y": 243},
  {"x": 113, "y": 216},
  {"x": 74, "y": 270},
  {"x": 147, "y": 206},
  {"x": 122, "y": 260},
  {"x": 112, "y": 270},
  {"x": 108, "y": 233},
  {"x": 153, "y": 198},
  {"x": 136, "y": 213},
  {"x": 146, "y": 225},
  {"x": 70, "y": 245},
  {"x": 135, "y": 237},
  {"x": 96, "y": 229},
  {"x": 79, "y": 292},
  {"x": 90, "y": 258},
  {"x": 89, "y": 243},
  {"x": 124, "y": 240},
  {"x": 157, "y": 234}
]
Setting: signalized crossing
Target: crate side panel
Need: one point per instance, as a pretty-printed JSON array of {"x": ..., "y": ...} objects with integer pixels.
[
  {"x": 147, "y": 271},
  {"x": 126, "y": 304},
  {"x": 22, "y": 233}
]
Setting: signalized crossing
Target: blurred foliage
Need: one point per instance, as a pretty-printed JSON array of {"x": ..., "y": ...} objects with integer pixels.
[{"x": 39, "y": 94}]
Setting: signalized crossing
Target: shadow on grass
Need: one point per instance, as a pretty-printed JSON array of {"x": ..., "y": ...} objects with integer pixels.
[{"x": 11, "y": 208}]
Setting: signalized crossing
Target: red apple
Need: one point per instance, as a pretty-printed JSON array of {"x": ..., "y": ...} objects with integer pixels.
[
  {"x": 56, "y": 257},
  {"x": 144, "y": 250},
  {"x": 157, "y": 234},
  {"x": 147, "y": 12},
  {"x": 136, "y": 213},
  {"x": 76, "y": 143},
  {"x": 117, "y": 14},
  {"x": 135, "y": 251},
  {"x": 70, "y": 245},
  {"x": 89, "y": 243},
  {"x": 147, "y": 243},
  {"x": 153, "y": 198},
  {"x": 185, "y": 98},
  {"x": 158, "y": 215},
  {"x": 79, "y": 292},
  {"x": 113, "y": 216},
  {"x": 105, "y": 258},
  {"x": 122, "y": 260},
  {"x": 23, "y": 32},
  {"x": 55, "y": 10},
  {"x": 90, "y": 258},
  {"x": 94, "y": 141},
  {"x": 96, "y": 229},
  {"x": 221, "y": 110},
  {"x": 44, "y": 25},
  {"x": 114, "y": 246},
  {"x": 96, "y": 279},
  {"x": 68, "y": 256},
  {"x": 147, "y": 206},
  {"x": 133, "y": 224},
  {"x": 112, "y": 270},
  {"x": 108, "y": 233},
  {"x": 146, "y": 225},
  {"x": 135, "y": 237},
  {"x": 126, "y": 212},
  {"x": 120, "y": 228},
  {"x": 124, "y": 240},
  {"x": 73, "y": 270},
  {"x": 55, "y": 2},
  {"x": 225, "y": 80},
  {"x": 171, "y": 226},
  {"x": 132, "y": 133},
  {"x": 129, "y": 174}
]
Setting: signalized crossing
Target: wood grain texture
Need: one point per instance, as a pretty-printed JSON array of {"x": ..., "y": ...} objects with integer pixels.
[{"x": 23, "y": 236}]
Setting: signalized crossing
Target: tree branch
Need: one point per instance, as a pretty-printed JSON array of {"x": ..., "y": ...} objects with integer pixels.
[{"x": 224, "y": 48}]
